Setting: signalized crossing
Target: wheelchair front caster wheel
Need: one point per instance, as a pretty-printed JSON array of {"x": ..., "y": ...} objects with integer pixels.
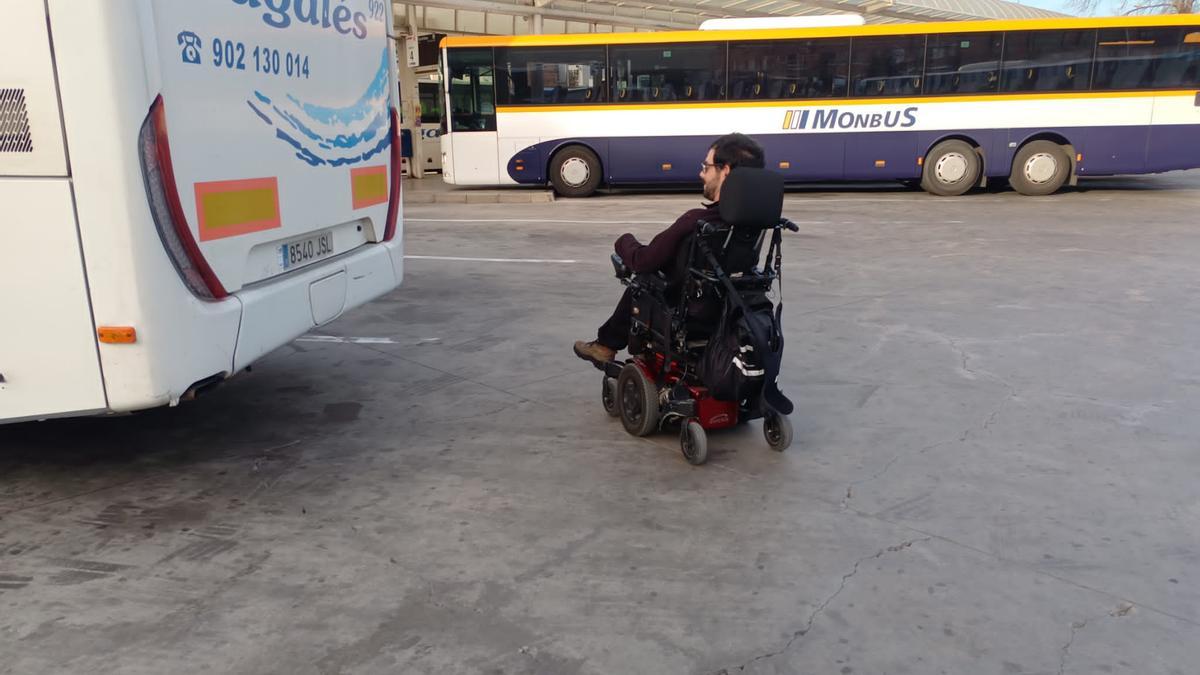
[
  {"x": 608, "y": 397},
  {"x": 777, "y": 429},
  {"x": 693, "y": 442}
]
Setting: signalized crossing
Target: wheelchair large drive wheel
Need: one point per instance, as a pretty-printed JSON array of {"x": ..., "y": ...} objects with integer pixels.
[
  {"x": 637, "y": 399},
  {"x": 777, "y": 429},
  {"x": 608, "y": 397},
  {"x": 693, "y": 442}
]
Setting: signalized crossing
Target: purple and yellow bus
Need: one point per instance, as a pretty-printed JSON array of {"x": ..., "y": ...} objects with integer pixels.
[{"x": 950, "y": 105}]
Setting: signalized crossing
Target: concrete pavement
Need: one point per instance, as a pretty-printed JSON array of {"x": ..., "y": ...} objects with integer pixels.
[{"x": 994, "y": 468}]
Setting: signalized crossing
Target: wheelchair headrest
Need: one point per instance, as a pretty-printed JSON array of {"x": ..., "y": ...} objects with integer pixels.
[{"x": 752, "y": 199}]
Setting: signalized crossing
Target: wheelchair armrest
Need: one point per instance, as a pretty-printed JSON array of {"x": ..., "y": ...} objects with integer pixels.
[
  {"x": 705, "y": 227},
  {"x": 622, "y": 271}
]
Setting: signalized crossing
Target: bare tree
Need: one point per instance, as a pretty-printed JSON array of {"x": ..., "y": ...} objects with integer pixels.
[
  {"x": 1083, "y": 7},
  {"x": 1168, "y": 7},
  {"x": 1128, "y": 7}
]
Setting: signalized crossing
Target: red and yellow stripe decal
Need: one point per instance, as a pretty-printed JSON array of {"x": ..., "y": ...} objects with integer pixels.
[
  {"x": 229, "y": 208},
  {"x": 369, "y": 186}
]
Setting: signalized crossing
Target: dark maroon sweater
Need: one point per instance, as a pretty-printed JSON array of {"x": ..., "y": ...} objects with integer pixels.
[{"x": 659, "y": 254}]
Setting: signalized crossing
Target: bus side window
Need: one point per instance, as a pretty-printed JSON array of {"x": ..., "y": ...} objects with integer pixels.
[
  {"x": 550, "y": 75},
  {"x": 1049, "y": 60},
  {"x": 668, "y": 72},
  {"x": 887, "y": 65},
  {"x": 963, "y": 63},
  {"x": 789, "y": 69},
  {"x": 1147, "y": 58}
]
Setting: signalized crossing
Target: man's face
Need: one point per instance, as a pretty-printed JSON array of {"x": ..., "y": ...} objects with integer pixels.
[{"x": 712, "y": 176}]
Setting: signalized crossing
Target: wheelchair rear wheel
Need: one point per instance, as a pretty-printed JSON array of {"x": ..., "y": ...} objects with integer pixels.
[
  {"x": 777, "y": 429},
  {"x": 608, "y": 397},
  {"x": 637, "y": 399},
  {"x": 693, "y": 442}
]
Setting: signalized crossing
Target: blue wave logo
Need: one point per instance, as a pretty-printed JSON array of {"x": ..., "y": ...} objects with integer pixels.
[{"x": 324, "y": 136}]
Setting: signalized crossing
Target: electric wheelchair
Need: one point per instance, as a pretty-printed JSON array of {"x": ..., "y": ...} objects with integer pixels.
[{"x": 705, "y": 339}]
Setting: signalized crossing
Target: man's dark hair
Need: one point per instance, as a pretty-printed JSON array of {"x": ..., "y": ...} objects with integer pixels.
[{"x": 734, "y": 150}]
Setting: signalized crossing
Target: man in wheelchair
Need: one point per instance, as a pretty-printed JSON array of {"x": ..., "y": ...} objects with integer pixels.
[
  {"x": 696, "y": 315},
  {"x": 663, "y": 253}
]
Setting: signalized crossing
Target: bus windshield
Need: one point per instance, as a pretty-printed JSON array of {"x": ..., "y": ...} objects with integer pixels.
[{"x": 472, "y": 96}]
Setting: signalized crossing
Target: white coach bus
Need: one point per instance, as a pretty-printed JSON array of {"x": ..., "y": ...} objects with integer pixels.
[
  {"x": 950, "y": 105},
  {"x": 184, "y": 187}
]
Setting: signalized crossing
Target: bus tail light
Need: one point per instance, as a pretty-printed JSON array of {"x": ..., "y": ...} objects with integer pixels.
[
  {"x": 167, "y": 209},
  {"x": 395, "y": 196}
]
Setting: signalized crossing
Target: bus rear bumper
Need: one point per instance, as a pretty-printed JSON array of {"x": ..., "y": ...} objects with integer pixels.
[{"x": 325, "y": 291}]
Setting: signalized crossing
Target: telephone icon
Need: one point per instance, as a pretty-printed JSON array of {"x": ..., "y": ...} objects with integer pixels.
[{"x": 191, "y": 47}]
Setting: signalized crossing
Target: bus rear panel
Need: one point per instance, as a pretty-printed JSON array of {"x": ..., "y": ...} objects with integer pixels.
[{"x": 233, "y": 181}]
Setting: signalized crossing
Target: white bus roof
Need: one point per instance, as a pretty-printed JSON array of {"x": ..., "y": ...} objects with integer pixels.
[{"x": 825, "y": 21}]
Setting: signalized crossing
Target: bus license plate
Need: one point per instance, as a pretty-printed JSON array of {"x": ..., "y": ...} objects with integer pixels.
[{"x": 304, "y": 251}]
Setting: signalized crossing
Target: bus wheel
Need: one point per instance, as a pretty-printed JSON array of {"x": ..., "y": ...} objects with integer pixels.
[
  {"x": 1040, "y": 168},
  {"x": 951, "y": 169},
  {"x": 575, "y": 172}
]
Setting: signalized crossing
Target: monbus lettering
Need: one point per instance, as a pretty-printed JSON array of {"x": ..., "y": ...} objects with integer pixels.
[{"x": 834, "y": 118}]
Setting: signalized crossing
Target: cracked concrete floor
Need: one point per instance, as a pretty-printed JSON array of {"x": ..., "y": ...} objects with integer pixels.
[{"x": 994, "y": 468}]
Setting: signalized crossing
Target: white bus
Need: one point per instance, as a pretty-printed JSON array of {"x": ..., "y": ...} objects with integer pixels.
[
  {"x": 184, "y": 187},
  {"x": 951, "y": 105}
]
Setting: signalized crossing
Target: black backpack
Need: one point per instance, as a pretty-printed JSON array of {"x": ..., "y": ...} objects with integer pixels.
[
  {"x": 741, "y": 361},
  {"x": 731, "y": 367}
]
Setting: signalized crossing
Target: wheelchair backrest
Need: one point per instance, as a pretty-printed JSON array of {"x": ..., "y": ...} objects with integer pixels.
[
  {"x": 751, "y": 202},
  {"x": 752, "y": 199}
]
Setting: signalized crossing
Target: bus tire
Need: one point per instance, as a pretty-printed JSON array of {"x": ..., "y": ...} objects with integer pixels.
[
  {"x": 951, "y": 168},
  {"x": 575, "y": 171},
  {"x": 1040, "y": 168}
]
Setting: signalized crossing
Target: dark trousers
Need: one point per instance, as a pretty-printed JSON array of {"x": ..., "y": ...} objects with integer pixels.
[{"x": 614, "y": 334}]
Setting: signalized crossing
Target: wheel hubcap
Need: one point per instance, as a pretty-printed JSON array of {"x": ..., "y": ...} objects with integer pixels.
[
  {"x": 688, "y": 442},
  {"x": 1041, "y": 168},
  {"x": 951, "y": 168},
  {"x": 575, "y": 171},
  {"x": 632, "y": 400},
  {"x": 773, "y": 432}
]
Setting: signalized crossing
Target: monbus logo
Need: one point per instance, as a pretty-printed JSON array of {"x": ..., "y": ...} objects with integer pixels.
[{"x": 832, "y": 118}]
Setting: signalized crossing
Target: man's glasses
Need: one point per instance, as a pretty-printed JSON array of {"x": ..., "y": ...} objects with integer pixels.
[{"x": 705, "y": 165}]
